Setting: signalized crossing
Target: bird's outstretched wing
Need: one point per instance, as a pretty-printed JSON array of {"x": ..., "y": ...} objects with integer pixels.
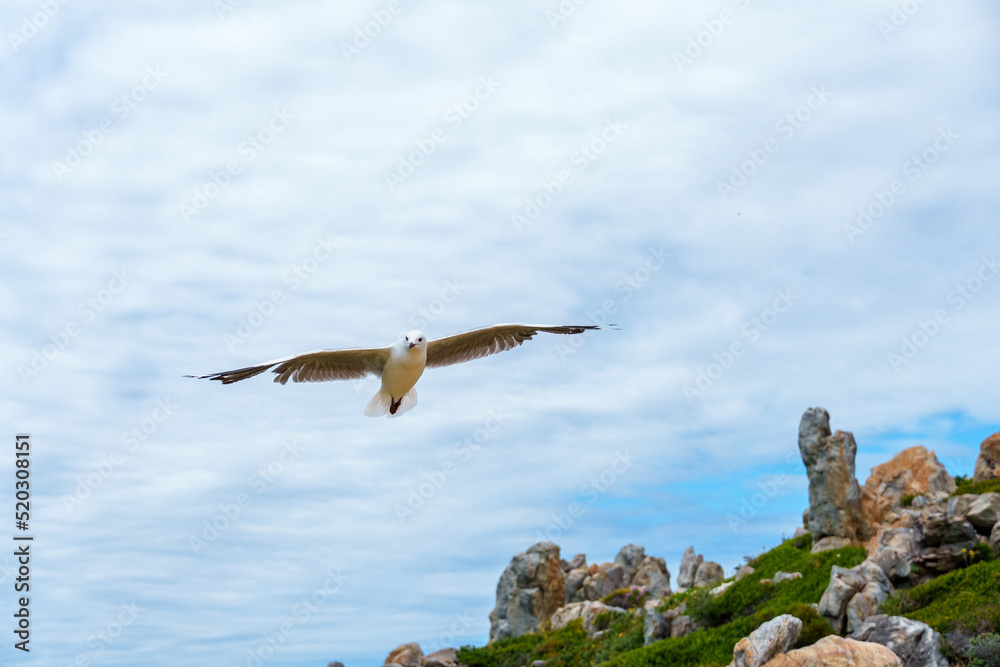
[
  {"x": 316, "y": 366},
  {"x": 471, "y": 345}
]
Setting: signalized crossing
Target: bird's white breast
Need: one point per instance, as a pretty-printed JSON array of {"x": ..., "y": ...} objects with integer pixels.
[{"x": 404, "y": 368}]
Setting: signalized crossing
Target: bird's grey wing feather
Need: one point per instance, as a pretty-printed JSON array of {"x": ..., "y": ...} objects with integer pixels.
[
  {"x": 490, "y": 340},
  {"x": 316, "y": 366}
]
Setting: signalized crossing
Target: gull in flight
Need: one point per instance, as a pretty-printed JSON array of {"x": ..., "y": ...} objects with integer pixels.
[{"x": 399, "y": 365}]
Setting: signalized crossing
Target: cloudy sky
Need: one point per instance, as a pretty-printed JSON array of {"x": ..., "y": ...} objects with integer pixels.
[{"x": 780, "y": 206}]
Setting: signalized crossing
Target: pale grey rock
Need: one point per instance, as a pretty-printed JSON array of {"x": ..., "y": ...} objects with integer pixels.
[
  {"x": 574, "y": 584},
  {"x": 800, "y": 531},
  {"x": 853, "y": 595},
  {"x": 446, "y": 657},
  {"x": 744, "y": 571},
  {"x": 708, "y": 575},
  {"x": 834, "y": 494},
  {"x": 530, "y": 589},
  {"x": 780, "y": 576},
  {"x": 407, "y": 655},
  {"x": 984, "y": 512},
  {"x": 916, "y": 644},
  {"x": 721, "y": 588},
  {"x": 895, "y": 551},
  {"x": 683, "y": 625},
  {"x": 653, "y": 575},
  {"x": 587, "y": 611},
  {"x": 941, "y": 540},
  {"x": 628, "y": 559},
  {"x": 689, "y": 567},
  {"x": 830, "y": 542},
  {"x": 770, "y": 639},
  {"x": 656, "y": 626},
  {"x": 959, "y": 505},
  {"x": 995, "y": 536},
  {"x": 844, "y": 585},
  {"x": 606, "y": 579}
]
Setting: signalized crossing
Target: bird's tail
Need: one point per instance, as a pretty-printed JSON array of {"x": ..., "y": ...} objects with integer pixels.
[{"x": 382, "y": 404}]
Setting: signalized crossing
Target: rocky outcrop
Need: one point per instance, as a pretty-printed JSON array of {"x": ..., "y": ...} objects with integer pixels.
[
  {"x": 446, "y": 657},
  {"x": 943, "y": 541},
  {"x": 774, "y": 637},
  {"x": 708, "y": 575},
  {"x": 656, "y": 626},
  {"x": 836, "y": 651},
  {"x": 959, "y": 505},
  {"x": 530, "y": 590},
  {"x": 995, "y": 536},
  {"x": 689, "y": 567},
  {"x": 831, "y": 542},
  {"x": 744, "y": 571},
  {"x": 988, "y": 463},
  {"x": 914, "y": 471},
  {"x": 853, "y": 595},
  {"x": 984, "y": 512},
  {"x": 915, "y": 643},
  {"x": 780, "y": 576},
  {"x": 588, "y": 611},
  {"x": 654, "y": 576},
  {"x": 834, "y": 495},
  {"x": 407, "y": 655},
  {"x": 628, "y": 559},
  {"x": 895, "y": 551}
]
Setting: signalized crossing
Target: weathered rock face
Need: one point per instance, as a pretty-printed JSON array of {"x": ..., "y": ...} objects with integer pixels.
[
  {"x": 984, "y": 512},
  {"x": 780, "y": 576},
  {"x": 446, "y": 657},
  {"x": 689, "y": 567},
  {"x": 913, "y": 471},
  {"x": 831, "y": 542},
  {"x": 603, "y": 579},
  {"x": 588, "y": 611},
  {"x": 915, "y": 643},
  {"x": 942, "y": 539},
  {"x": 574, "y": 584},
  {"x": 529, "y": 592},
  {"x": 656, "y": 626},
  {"x": 995, "y": 536},
  {"x": 834, "y": 495},
  {"x": 988, "y": 463},
  {"x": 895, "y": 551},
  {"x": 853, "y": 595},
  {"x": 708, "y": 575},
  {"x": 408, "y": 655},
  {"x": 835, "y": 651},
  {"x": 629, "y": 558},
  {"x": 774, "y": 637},
  {"x": 744, "y": 571},
  {"x": 959, "y": 505},
  {"x": 654, "y": 575}
]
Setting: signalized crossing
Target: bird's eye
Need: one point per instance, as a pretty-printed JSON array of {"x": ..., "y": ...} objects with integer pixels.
[{"x": 420, "y": 340}]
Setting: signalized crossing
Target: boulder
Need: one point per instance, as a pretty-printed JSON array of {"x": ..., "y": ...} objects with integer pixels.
[
  {"x": 579, "y": 560},
  {"x": 446, "y": 657},
  {"x": 683, "y": 625},
  {"x": 574, "y": 584},
  {"x": 656, "y": 626},
  {"x": 834, "y": 495},
  {"x": 408, "y": 655},
  {"x": 721, "y": 588},
  {"x": 780, "y": 576},
  {"x": 894, "y": 550},
  {"x": 743, "y": 572},
  {"x": 984, "y": 512},
  {"x": 603, "y": 580},
  {"x": 628, "y": 559},
  {"x": 988, "y": 463},
  {"x": 959, "y": 505},
  {"x": 588, "y": 611},
  {"x": 530, "y": 590},
  {"x": 913, "y": 471},
  {"x": 800, "y": 531},
  {"x": 853, "y": 595},
  {"x": 942, "y": 539},
  {"x": 836, "y": 651},
  {"x": 708, "y": 575},
  {"x": 831, "y": 542},
  {"x": 995, "y": 536},
  {"x": 689, "y": 567},
  {"x": 653, "y": 575},
  {"x": 915, "y": 643},
  {"x": 771, "y": 638}
]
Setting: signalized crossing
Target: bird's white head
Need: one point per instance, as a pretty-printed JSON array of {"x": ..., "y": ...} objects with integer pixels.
[{"x": 415, "y": 339}]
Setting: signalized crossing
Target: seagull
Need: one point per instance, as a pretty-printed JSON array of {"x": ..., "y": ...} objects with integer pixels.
[{"x": 399, "y": 365}]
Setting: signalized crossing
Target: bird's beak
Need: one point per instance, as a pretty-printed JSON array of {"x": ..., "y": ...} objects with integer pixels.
[{"x": 412, "y": 345}]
